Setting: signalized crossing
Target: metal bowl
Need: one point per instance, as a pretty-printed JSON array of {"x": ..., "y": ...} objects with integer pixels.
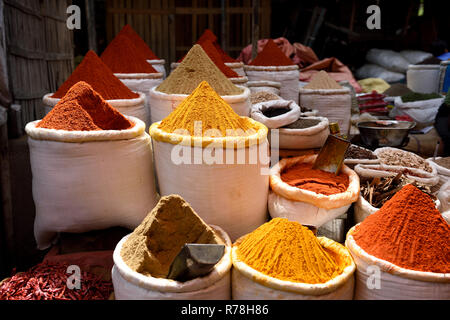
[{"x": 385, "y": 133}]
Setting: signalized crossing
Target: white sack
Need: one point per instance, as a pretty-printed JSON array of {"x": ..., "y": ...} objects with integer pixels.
[
  {"x": 131, "y": 285},
  {"x": 395, "y": 282},
  {"x": 142, "y": 83},
  {"x": 362, "y": 209},
  {"x": 304, "y": 206},
  {"x": 239, "y": 81},
  {"x": 334, "y": 104},
  {"x": 307, "y": 138},
  {"x": 388, "y": 59},
  {"x": 232, "y": 196},
  {"x": 375, "y": 71},
  {"x": 264, "y": 85},
  {"x": 443, "y": 78},
  {"x": 286, "y": 75},
  {"x": 159, "y": 65},
  {"x": 237, "y": 67},
  {"x": 444, "y": 199},
  {"x": 250, "y": 284},
  {"x": 422, "y": 112},
  {"x": 129, "y": 107},
  {"x": 275, "y": 122},
  {"x": 89, "y": 180},
  {"x": 162, "y": 104},
  {"x": 415, "y": 56},
  {"x": 423, "y": 78}
]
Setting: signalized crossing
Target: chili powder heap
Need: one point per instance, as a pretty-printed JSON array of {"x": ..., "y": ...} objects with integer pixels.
[
  {"x": 407, "y": 231},
  {"x": 122, "y": 56},
  {"x": 271, "y": 55},
  {"x": 214, "y": 55},
  {"x": 83, "y": 109},
  {"x": 140, "y": 44},
  {"x": 209, "y": 35},
  {"x": 303, "y": 176},
  {"x": 93, "y": 71}
]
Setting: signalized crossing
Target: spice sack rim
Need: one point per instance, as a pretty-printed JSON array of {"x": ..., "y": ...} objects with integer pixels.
[
  {"x": 121, "y": 103},
  {"x": 139, "y": 76},
  {"x": 168, "y": 285},
  {"x": 389, "y": 267},
  {"x": 344, "y": 90},
  {"x": 228, "y": 142},
  {"x": 271, "y": 68},
  {"x": 309, "y": 131},
  {"x": 333, "y": 201},
  {"x": 230, "y": 98},
  {"x": 299, "y": 287},
  {"x": 136, "y": 130}
]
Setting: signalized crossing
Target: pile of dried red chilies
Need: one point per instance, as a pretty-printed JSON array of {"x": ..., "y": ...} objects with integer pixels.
[{"x": 47, "y": 281}]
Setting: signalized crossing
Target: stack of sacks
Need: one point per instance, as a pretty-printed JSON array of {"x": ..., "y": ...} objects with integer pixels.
[
  {"x": 92, "y": 167},
  {"x": 272, "y": 64},
  {"x": 93, "y": 71},
  {"x": 144, "y": 49},
  {"x": 195, "y": 68},
  {"x": 131, "y": 67}
]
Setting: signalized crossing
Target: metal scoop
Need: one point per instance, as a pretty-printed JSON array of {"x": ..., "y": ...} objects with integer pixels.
[
  {"x": 195, "y": 260},
  {"x": 332, "y": 155}
]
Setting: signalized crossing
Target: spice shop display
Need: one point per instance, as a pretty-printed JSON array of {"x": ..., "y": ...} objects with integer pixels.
[
  {"x": 195, "y": 68},
  {"x": 91, "y": 163},
  {"x": 409, "y": 241},
  {"x": 215, "y": 159},
  {"x": 309, "y": 196},
  {"x": 142, "y": 259},
  {"x": 271, "y": 64},
  {"x": 284, "y": 260}
]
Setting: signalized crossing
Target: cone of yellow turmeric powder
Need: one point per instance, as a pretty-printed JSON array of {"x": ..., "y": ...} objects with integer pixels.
[
  {"x": 195, "y": 68},
  {"x": 284, "y": 260},
  {"x": 215, "y": 159},
  {"x": 142, "y": 259}
]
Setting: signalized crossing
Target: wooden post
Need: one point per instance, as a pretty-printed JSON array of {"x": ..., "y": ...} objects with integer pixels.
[
  {"x": 90, "y": 18},
  {"x": 5, "y": 190},
  {"x": 255, "y": 28}
]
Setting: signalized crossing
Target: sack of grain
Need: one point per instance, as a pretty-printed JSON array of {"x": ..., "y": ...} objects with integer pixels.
[
  {"x": 304, "y": 206},
  {"x": 305, "y": 133},
  {"x": 129, "y": 107},
  {"x": 250, "y": 284},
  {"x": 159, "y": 65},
  {"x": 290, "y": 108},
  {"x": 264, "y": 85},
  {"x": 375, "y": 71},
  {"x": 131, "y": 285},
  {"x": 423, "y": 78},
  {"x": 142, "y": 82},
  {"x": 359, "y": 155},
  {"x": 90, "y": 180},
  {"x": 394, "y": 282},
  {"x": 422, "y": 112},
  {"x": 388, "y": 59},
  {"x": 329, "y": 98},
  {"x": 237, "y": 67},
  {"x": 162, "y": 104},
  {"x": 287, "y": 76}
]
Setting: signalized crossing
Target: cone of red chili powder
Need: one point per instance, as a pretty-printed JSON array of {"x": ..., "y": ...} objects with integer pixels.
[
  {"x": 83, "y": 109},
  {"x": 209, "y": 35},
  {"x": 407, "y": 231},
  {"x": 271, "y": 55},
  {"x": 93, "y": 71}
]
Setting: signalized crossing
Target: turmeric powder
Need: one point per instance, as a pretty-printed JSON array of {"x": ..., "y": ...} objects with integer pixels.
[
  {"x": 205, "y": 105},
  {"x": 288, "y": 251}
]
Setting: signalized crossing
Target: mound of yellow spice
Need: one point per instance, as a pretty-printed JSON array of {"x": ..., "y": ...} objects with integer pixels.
[
  {"x": 207, "y": 108},
  {"x": 288, "y": 251}
]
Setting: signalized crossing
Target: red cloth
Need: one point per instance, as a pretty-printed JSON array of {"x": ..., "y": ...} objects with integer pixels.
[
  {"x": 307, "y": 60},
  {"x": 283, "y": 43}
]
